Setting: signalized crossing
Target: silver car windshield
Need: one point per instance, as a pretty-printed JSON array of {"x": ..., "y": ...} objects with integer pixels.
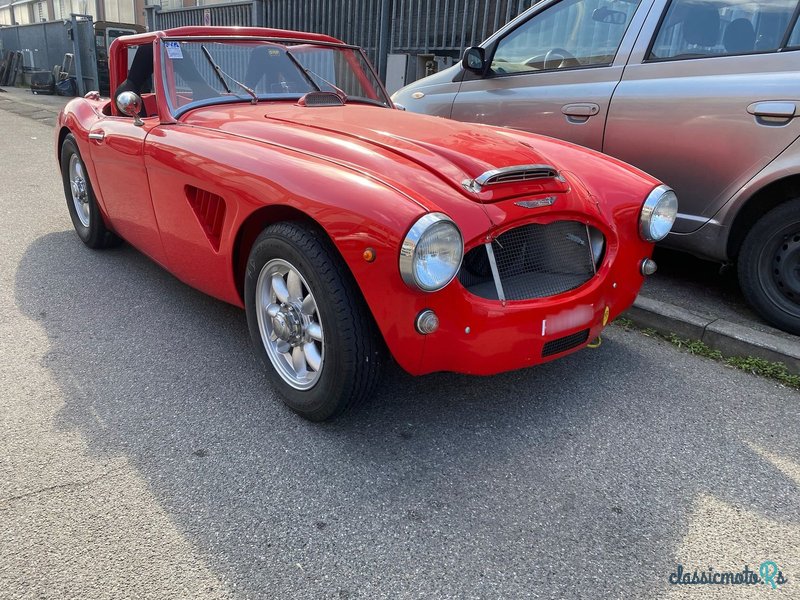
[{"x": 202, "y": 72}]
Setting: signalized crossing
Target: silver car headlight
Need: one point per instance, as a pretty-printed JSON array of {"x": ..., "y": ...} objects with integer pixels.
[
  {"x": 431, "y": 253},
  {"x": 658, "y": 214}
]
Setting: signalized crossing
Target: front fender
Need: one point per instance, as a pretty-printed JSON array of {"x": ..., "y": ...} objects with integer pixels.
[
  {"x": 356, "y": 211},
  {"x": 78, "y": 117}
]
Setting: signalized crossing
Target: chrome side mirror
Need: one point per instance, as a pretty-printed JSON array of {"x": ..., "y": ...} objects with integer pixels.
[{"x": 130, "y": 104}]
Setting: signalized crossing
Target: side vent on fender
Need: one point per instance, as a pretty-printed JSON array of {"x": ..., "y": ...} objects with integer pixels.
[{"x": 210, "y": 212}]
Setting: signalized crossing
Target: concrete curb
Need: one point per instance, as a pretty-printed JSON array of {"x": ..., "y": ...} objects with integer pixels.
[{"x": 731, "y": 339}]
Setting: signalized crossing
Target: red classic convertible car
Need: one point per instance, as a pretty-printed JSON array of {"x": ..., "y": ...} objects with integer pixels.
[{"x": 270, "y": 169}]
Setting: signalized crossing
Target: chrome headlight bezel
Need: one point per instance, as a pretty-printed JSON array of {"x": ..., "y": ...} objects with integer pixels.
[
  {"x": 662, "y": 193},
  {"x": 408, "y": 251}
]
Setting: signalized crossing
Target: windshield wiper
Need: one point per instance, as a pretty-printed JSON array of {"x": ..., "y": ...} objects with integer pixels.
[
  {"x": 311, "y": 74},
  {"x": 303, "y": 70},
  {"x": 220, "y": 73}
]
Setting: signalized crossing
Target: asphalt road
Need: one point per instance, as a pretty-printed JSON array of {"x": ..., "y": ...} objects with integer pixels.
[{"x": 144, "y": 455}]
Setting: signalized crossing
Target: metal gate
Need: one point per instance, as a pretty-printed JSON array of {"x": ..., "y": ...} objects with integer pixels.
[
  {"x": 236, "y": 14},
  {"x": 44, "y": 45},
  {"x": 381, "y": 27},
  {"x": 448, "y": 27}
]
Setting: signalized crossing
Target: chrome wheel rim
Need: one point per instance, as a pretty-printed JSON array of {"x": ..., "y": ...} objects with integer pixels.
[
  {"x": 290, "y": 324},
  {"x": 79, "y": 189}
]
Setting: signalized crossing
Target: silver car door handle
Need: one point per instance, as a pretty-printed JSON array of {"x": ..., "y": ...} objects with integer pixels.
[
  {"x": 580, "y": 112},
  {"x": 580, "y": 109},
  {"x": 97, "y": 135},
  {"x": 781, "y": 110}
]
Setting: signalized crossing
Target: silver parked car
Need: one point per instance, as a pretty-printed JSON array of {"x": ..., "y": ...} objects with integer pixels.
[{"x": 704, "y": 95}]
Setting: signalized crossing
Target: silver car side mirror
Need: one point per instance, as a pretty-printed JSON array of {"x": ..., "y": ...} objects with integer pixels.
[{"x": 130, "y": 104}]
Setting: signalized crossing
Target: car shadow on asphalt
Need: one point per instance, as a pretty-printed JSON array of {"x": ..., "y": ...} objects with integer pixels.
[{"x": 578, "y": 474}]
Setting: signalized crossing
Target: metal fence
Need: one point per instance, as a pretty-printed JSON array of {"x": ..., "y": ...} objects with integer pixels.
[
  {"x": 448, "y": 27},
  {"x": 239, "y": 14},
  {"x": 44, "y": 45},
  {"x": 357, "y": 22},
  {"x": 381, "y": 27}
]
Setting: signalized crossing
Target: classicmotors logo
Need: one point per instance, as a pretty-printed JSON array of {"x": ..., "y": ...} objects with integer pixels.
[{"x": 768, "y": 574}]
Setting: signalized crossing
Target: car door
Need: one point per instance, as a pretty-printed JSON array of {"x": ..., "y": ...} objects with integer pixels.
[
  {"x": 553, "y": 71},
  {"x": 710, "y": 96},
  {"x": 117, "y": 150},
  {"x": 116, "y": 145}
]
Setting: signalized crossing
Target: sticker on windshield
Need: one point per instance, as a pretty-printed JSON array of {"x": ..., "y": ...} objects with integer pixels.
[{"x": 173, "y": 49}]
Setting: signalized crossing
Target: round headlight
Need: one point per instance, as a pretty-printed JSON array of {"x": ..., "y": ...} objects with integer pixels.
[
  {"x": 658, "y": 214},
  {"x": 431, "y": 253}
]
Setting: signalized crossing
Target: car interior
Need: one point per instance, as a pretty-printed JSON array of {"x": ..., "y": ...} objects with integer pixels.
[
  {"x": 140, "y": 80},
  {"x": 697, "y": 29}
]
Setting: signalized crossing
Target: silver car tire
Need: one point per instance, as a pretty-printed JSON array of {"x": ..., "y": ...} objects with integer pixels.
[{"x": 81, "y": 201}]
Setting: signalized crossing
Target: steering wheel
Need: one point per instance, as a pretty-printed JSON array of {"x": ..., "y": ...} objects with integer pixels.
[{"x": 561, "y": 56}]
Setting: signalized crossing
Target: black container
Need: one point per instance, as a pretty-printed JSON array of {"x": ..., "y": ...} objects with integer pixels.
[{"x": 42, "y": 82}]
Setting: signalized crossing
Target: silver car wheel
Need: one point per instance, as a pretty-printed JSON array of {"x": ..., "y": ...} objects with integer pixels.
[
  {"x": 290, "y": 324},
  {"x": 79, "y": 189}
]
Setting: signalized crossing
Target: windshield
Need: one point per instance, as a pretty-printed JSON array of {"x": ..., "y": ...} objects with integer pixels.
[{"x": 202, "y": 72}]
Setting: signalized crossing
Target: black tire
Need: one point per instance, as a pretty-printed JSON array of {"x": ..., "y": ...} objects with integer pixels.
[
  {"x": 93, "y": 232},
  {"x": 352, "y": 351},
  {"x": 769, "y": 266}
]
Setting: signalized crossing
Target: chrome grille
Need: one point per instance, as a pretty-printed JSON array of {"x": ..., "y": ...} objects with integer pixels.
[
  {"x": 510, "y": 175},
  {"x": 322, "y": 99},
  {"x": 533, "y": 261},
  {"x": 522, "y": 175}
]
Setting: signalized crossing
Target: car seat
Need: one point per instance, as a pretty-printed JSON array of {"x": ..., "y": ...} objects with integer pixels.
[
  {"x": 270, "y": 65},
  {"x": 701, "y": 25},
  {"x": 740, "y": 37},
  {"x": 139, "y": 74}
]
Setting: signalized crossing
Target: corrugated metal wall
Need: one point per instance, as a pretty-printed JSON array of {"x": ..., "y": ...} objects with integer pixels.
[
  {"x": 356, "y": 22},
  {"x": 48, "y": 42},
  {"x": 238, "y": 14},
  {"x": 448, "y": 26},
  {"x": 442, "y": 27}
]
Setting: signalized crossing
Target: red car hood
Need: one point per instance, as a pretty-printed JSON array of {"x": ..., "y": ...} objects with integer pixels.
[{"x": 452, "y": 151}]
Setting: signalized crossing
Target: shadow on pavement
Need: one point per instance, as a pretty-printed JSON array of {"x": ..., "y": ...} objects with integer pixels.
[{"x": 572, "y": 478}]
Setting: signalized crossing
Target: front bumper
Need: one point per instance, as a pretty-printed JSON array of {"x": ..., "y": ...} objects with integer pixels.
[{"x": 482, "y": 337}]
